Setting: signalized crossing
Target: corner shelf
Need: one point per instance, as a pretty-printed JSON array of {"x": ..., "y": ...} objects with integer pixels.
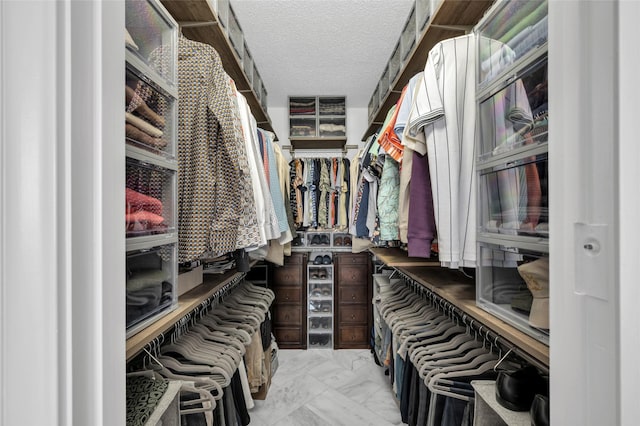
[
  {"x": 199, "y": 22},
  {"x": 450, "y": 19}
]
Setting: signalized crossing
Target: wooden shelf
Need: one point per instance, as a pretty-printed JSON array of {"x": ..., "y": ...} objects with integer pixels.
[
  {"x": 451, "y": 19},
  {"x": 395, "y": 257},
  {"x": 460, "y": 291},
  {"x": 318, "y": 143},
  {"x": 213, "y": 34},
  {"x": 186, "y": 303}
]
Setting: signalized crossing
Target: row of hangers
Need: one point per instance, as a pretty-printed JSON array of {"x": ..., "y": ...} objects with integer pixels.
[
  {"x": 206, "y": 346},
  {"x": 445, "y": 346}
]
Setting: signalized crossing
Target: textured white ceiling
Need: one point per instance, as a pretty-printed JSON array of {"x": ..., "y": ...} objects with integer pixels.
[{"x": 321, "y": 47}]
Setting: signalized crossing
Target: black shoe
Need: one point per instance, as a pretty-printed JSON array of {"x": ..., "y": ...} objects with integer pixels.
[
  {"x": 318, "y": 260},
  {"x": 315, "y": 240},
  {"x": 326, "y": 259},
  {"x": 540, "y": 411},
  {"x": 515, "y": 389},
  {"x": 324, "y": 239}
]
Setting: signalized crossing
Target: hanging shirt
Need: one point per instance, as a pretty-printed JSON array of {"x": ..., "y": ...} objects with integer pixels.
[
  {"x": 208, "y": 164},
  {"x": 403, "y": 193},
  {"x": 255, "y": 171},
  {"x": 422, "y": 227},
  {"x": 405, "y": 106},
  {"x": 275, "y": 191},
  {"x": 444, "y": 110},
  {"x": 388, "y": 200},
  {"x": 248, "y": 229}
]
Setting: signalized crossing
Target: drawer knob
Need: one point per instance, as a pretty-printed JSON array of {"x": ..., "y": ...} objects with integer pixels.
[
  {"x": 286, "y": 298},
  {"x": 353, "y": 296},
  {"x": 354, "y": 276},
  {"x": 353, "y": 317}
]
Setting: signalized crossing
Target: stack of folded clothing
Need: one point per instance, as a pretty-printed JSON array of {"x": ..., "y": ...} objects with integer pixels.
[
  {"x": 147, "y": 285},
  {"x": 302, "y": 107},
  {"x": 143, "y": 213},
  {"x": 143, "y": 124}
]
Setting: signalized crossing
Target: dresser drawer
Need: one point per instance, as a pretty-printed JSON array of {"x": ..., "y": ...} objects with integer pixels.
[
  {"x": 288, "y": 275},
  {"x": 295, "y": 259},
  {"x": 287, "y": 315},
  {"x": 352, "y": 294},
  {"x": 352, "y": 274},
  {"x": 356, "y": 258},
  {"x": 353, "y": 336},
  {"x": 354, "y": 314},
  {"x": 288, "y": 336},
  {"x": 288, "y": 295}
]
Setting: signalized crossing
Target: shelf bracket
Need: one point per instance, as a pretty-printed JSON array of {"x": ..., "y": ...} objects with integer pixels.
[
  {"x": 465, "y": 28},
  {"x": 193, "y": 24}
]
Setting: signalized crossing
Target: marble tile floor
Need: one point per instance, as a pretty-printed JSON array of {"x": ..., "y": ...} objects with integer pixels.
[{"x": 320, "y": 387}]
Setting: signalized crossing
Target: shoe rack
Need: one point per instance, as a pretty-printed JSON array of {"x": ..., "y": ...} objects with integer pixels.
[{"x": 320, "y": 298}]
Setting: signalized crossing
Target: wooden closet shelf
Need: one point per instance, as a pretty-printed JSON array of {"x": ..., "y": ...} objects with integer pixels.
[
  {"x": 460, "y": 291},
  {"x": 450, "y": 14},
  {"x": 395, "y": 257},
  {"x": 318, "y": 143},
  {"x": 191, "y": 11},
  {"x": 186, "y": 303}
]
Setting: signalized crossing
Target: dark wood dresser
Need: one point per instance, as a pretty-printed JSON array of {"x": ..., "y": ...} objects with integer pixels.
[
  {"x": 353, "y": 290},
  {"x": 290, "y": 305}
]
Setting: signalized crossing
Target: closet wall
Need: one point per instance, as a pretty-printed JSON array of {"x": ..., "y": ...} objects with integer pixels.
[{"x": 62, "y": 339}]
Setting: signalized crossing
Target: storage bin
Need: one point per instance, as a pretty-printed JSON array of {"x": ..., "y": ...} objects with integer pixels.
[
  {"x": 373, "y": 104},
  {"x": 383, "y": 86},
  {"x": 513, "y": 284},
  {"x": 235, "y": 34},
  {"x": 151, "y": 285},
  {"x": 510, "y": 32},
  {"x": 409, "y": 35},
  {"x": 302, "y": 106},
  {"x": 320, "y": 341},
  {"x": 257, "y": 83},
  {"x": 263, "y": 98},
  {"x": 514, "y": 198},
  {"x": 331, "y": 106},
  {"x": 423, "y": 13},
  {"x": 516, "y": 115},
  {"x": 222, "y": 7},
  {"x": 247, "y": 64},
  {"x": 302, "y": 127},
  {"x": 320, "y": 325},
  {"x": 332, "y": 127},
  {"x": 150, "y": 34},
  {"x": 395, "y": 63},
  {"x": 149, "y": 199},
  {"x": 149, "y": 115}
]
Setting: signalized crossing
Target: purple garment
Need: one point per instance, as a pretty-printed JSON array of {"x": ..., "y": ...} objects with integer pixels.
[{"x": 422, "y": 222}]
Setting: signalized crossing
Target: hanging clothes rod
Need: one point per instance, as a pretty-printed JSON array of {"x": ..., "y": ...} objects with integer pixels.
[
  {"x": 481, "y": 330},
  {"x": 183, "y": 325}
]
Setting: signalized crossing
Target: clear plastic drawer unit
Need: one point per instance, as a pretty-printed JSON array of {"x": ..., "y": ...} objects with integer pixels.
[
  {"x": 150, "y": 35},
  {"x": 515, "y": 116},
  {"x": 514, "y": 198},
  {"x": 513, "y": 284},
  {"x": 150, "y": 284},
  {"x": 512, "y": 31},
  {"x": 149, "y": 115},
  {"x": 149, "y": 199}
]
